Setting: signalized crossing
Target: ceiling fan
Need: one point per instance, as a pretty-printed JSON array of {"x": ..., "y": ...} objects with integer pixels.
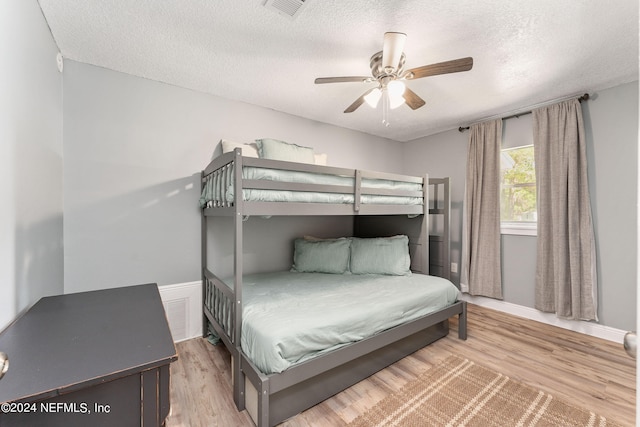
[{"x": 387, "y": 69}]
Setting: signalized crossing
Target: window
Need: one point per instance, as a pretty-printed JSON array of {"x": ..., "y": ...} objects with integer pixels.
[{"x": 518, "y": 213}]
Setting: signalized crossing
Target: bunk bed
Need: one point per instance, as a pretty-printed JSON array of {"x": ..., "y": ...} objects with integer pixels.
[{"x": 381, "y": 204}]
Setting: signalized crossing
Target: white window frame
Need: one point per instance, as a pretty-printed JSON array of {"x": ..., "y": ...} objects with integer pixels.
[{"x": 518, "y": 228}]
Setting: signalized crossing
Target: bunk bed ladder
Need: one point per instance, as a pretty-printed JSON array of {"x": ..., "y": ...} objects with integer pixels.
[
  {"x": 441, "y": 243},
  {"x": 424, "y": 239}
]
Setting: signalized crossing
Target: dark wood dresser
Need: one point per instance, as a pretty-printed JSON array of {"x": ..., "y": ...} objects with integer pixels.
[{"x": 98, "y": 358}]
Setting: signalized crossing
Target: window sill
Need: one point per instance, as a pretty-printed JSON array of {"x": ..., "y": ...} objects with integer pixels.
[{"x": 516, "y": 229}]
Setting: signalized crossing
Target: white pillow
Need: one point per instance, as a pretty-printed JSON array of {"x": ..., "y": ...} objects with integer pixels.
[
  {"x": 248, "y": 150},
  {"x": 320, "y": 159}
]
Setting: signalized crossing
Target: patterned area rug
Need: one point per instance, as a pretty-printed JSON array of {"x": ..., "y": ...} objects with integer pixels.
[{"x": 460, "y": 393}]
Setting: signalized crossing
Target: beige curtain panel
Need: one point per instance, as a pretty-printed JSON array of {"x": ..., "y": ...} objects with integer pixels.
[
  {"x": 566, "y": 280},
  {"x": 480, "y": 267}
]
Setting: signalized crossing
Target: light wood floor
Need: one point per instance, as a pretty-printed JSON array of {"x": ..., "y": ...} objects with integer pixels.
[{"x": 585, "y": 371}]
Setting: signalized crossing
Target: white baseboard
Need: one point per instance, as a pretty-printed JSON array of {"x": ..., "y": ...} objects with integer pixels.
[
  {"x": 588, "y": 328},
  {"x": 183, "y": 306}
]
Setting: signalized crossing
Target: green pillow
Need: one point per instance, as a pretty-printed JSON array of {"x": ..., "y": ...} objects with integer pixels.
[
  {"x": 321, "y": 256},
  {"x": 280, "y": 150},
  {"x": 381, "y": 255}
]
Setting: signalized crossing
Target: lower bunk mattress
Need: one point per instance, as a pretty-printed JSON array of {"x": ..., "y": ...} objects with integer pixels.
[{"x": 291, "y": 317}]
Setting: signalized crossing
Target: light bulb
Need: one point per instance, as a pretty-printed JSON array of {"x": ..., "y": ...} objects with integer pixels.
[
  {"x": 395, "y": 101},
  {"x": 373, "y": 97},
  {"x": 396, "y": 88}
]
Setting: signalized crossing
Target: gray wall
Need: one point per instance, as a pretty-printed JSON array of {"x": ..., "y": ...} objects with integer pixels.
[
  {"x": 133, "y": 149},
  {"x": 268, "y": 243},
  {"x": 611, "y": 125},
  {"x": 31, "y": 254}
]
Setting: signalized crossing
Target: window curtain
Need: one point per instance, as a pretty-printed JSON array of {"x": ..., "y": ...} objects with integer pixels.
[
  {"x": 566, "y": 279},
  {"x": 480, "y": 267}
]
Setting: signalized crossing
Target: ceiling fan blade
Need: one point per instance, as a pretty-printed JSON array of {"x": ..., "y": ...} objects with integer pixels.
[
  {"x": 348, "y": 79},
  {"x": 392, "y": 47},
  {"x": 454, "y": 66},
  {"x": 358, "y": 102},
  {"x": 412, "y": 99}
]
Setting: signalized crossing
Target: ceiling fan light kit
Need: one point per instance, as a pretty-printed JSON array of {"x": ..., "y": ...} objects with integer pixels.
[
  {"x": 373, "y": 97},
  {"x": 387, "y": 69},
  {"x": 395, "y": 90}
]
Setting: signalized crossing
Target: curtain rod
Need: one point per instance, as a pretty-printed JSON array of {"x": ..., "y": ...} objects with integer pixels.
[{"x": 524, "y": 113}]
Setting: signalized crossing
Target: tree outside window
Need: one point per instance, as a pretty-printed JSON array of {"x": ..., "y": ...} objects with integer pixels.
[{"x": 518, "y": 186}]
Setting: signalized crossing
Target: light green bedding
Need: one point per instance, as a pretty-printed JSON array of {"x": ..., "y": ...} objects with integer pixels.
[
  {"x": 220, "y": 188},
  {"x": 290, "y": 317}
]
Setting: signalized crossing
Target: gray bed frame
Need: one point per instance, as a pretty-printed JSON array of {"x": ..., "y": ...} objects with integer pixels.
[{"x": 280, "y": 396}]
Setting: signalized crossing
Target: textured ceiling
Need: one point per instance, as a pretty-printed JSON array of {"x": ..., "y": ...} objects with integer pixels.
[{"x": 525, "y": 52}]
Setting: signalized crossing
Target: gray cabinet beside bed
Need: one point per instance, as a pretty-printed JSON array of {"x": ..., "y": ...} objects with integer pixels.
[{"x": 284, "y": 365}]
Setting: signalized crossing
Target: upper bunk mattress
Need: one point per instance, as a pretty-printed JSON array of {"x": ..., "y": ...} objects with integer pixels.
[
  {"x": 219, "y": 188},
  {"x": 290, "y": 317}
]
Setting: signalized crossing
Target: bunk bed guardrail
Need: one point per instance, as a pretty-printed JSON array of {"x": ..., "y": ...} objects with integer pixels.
[{"x": 226, "y": 171}]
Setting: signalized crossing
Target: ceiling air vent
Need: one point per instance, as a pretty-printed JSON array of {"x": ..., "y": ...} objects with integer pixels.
[{"x": 290, "y": 8}]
